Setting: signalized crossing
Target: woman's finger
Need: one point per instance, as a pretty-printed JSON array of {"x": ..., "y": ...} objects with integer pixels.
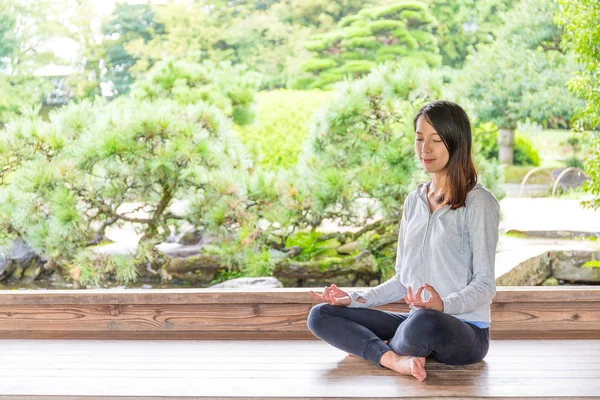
[
  {"x": 316, "y": 296},
  {"x": 419, "y": 291},
  {"x": 326, "y": 294},
  {"x": 431, "y": 290},
  {"x": 407, "y": 300},
  {"x": 336, "y": 291},
  {"x": 411, "y": 296}
]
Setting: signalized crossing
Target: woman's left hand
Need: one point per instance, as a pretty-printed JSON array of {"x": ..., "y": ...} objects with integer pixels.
[{"x": 435, "y": 301}]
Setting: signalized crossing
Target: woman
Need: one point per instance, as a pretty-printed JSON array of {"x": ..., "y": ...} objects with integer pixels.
[{"x": 444, "y": 264}]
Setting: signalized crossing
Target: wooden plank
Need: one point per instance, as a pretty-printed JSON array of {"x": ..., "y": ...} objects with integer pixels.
[
  {"x": 566, "y": 313},
  {"x": 505, "y": 294},
  {"x": 507, "y": 371}
]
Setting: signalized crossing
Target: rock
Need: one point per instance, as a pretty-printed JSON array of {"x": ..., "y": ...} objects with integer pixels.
[
  {"x": 190, "y": 238},
  {"x": 196, "y": 262},
  {"x": 554, "y": 234},
  {"x": 21, "y": 253},
  {"x": 343, "y": 271},
  {"x": 5, "y": 263},
  {"x": 20, "y": 263},
  {"x": 531, "y": 272},
  {"x": 199, "y": 238},
  {"x": 350, "y": 248},
  {"x": 175, "y": 250},
  {"x": 277, "y": 255},
  {"x": 32, "y": 272},
  {"x": 569, "y": 266},
  {"x": 563, "y": 265},
  {"x": 552, "y": 281},
  {"x": 249, "y": 283}
]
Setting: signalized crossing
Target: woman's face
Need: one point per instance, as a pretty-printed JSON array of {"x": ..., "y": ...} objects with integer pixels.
[{"x": 429, "y": 147}]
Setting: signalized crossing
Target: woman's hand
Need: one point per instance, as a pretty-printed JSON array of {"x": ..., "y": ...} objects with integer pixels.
[
  {"x": 333, "y": 295},
  {"x": 435, "y": 301}
]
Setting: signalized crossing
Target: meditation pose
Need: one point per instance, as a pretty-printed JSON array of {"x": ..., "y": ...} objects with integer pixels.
[{"x": 444, "y": 264}]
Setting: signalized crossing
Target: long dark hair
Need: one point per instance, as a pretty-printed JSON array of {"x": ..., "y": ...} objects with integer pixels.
[{"x": 451, "y": 122}]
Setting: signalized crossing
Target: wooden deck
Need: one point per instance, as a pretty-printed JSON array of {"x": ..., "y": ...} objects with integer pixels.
[
  {"x": 254, "y": 346},
  {"x": 285, "y": 370}
]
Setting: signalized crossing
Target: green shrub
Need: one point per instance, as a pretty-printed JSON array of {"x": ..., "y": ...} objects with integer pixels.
[
  {"x": 282, "y": 124},
  {"x": 231, "y": 88},
  {"x": 525, "y": 154},
  {"x": 485, "y": 138},
  {"x": 64, "y": 180}
]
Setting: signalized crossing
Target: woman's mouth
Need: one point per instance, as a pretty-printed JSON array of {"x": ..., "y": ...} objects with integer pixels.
[{"x": 427, "y": 161}]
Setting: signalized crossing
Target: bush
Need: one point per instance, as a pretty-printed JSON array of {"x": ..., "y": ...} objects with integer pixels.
[
  {"x": 231, "y": 88},
  {"x": 525, "y": 154},
  {"x": 64, "y": 180},
  {"x": 282, "y": 124},
  {"x": 485, "y": 136}
]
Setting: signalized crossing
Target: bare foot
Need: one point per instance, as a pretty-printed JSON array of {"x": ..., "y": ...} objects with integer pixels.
[
  {"x": 405, "y": 365},
  {"x": 352, "y": 355}
]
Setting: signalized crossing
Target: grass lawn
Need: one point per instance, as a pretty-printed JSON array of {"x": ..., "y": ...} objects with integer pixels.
[{"x": 553, "y": 147}]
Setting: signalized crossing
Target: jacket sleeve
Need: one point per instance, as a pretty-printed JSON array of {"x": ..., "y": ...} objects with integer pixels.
[
  {"x": 392, "y": 289},
  {"x": 483, "y": 220}
]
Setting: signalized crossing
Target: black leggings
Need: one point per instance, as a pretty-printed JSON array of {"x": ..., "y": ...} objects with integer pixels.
[{"x": 361, "y": 331}]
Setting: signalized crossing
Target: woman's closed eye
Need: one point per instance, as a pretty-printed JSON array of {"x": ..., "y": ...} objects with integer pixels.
[{"x": 435, "y": 141}]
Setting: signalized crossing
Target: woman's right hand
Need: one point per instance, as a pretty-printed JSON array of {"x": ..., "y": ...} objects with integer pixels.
[{"x": 333, "y": 295}]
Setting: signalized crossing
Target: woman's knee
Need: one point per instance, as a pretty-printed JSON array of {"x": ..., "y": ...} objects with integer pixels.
[
  {"x": 422, "y": 326},
  {"x": 317, "y": 315}
]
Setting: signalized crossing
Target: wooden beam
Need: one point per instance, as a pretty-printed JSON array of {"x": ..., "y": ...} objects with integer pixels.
[{"x": 517, "y": 313}]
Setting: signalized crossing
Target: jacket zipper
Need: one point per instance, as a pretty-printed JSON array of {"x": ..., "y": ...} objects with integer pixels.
[{"x": 430, "y": 214}]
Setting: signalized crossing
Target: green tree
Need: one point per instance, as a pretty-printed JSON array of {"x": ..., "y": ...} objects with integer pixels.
[
  {"x": 581, "y": 21},
  {"x": 231, "y": 88},
  {"x": 520, "y": 76},
  {"x": 129, "y": 22},
  {"x": 464, "y": 24},
  {"x": 320, "y": 14},
  {"x": 64, "y": 181},
  {"x": 89, "y": 73},
  {"x": 8, "y": 41},
  {"x": 25, "y": 28},
  {"x": 399, "y": 32}
]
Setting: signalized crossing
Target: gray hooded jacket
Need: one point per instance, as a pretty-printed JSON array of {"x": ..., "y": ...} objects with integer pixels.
[{"x": 452, "y": 250}]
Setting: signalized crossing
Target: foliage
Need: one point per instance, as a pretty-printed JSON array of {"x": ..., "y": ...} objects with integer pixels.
[
  {"x": 24, "y": 30},
  {"x": 525, "y": 153},
  {"x": 283, "y": 120},
  {"x": 129, "y": 22},
  {"x": 502, "y": 84},
  {"x": 246, "y": 33},
  {"x": 521, "y": 75},
  {"x": 581, "y": 21},
  {"x": 464, "y": 24},
  {"x": 486, "y": 137},
  {"x": 398, "y": 32},
  {"x": 231, "y": 88},
  {"x": 65, "y": 180},
  {"x": 320, "y": 14},
  {"x": 530, "y": 23}
]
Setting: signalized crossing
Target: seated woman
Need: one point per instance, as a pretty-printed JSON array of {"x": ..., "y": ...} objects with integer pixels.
[{"x": 444, "y": 264}]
